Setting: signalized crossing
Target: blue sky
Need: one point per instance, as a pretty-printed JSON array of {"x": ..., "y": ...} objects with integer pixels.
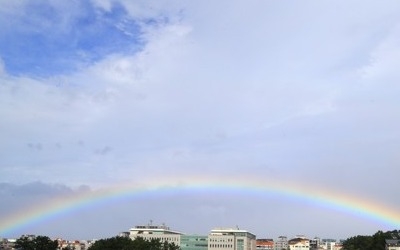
[
  {"x": 45, "y": 40},
  {"x": 98, "y": 93}
]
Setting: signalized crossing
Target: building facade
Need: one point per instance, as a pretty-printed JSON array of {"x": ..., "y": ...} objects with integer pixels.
[
  {"x": 281, "y": 243},
  {"x": 328, "y": 244},
  {"x": 150, "y": 232},
  {"x": 194, "y": 242},
  {"x": 231, "y": 239},
  {"x": 392, "y": 245},
  {"x": 265, "y": 244},
  {"x": 299, "y": 243},
  {"x": 315, "y": 243},
  {"x": 218, "y": 239}
]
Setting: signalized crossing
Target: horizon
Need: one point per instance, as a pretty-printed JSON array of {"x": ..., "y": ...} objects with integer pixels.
[
  {"x": 86, "y": 200},
  {"x": 202, "y": 234}
]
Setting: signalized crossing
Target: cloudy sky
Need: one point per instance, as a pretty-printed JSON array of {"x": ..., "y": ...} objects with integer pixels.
[{"x": 96, "y": 93}]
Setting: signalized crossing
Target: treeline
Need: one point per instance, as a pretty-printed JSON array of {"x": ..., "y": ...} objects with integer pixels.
[
  {"x": 374, "y": 242},
  {"x": 125, "y": 243},
  {"x": 115, "y": 243},
  {"x": 359, "y": 242},
  {"x": 35, "y": 243}
]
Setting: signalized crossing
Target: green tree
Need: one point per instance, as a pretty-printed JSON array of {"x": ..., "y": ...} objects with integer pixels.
[
  {"x": 374, "y": 242},
  {"x": 359, "y": 242},
  {"x": 124, "y": 243},
  {"x": 35, "y": 243}
]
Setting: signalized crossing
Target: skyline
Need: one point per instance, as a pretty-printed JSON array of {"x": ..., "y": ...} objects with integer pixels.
[
  {"x": 221, "y": 113},
  {"x": 323, "y": 198}
]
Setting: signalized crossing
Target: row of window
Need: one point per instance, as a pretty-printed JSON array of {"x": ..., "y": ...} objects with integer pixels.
[
  {"x": 170, "y": 239},
  {"x": 220, "y": 240},
  {"x": 221, "y": 245}
]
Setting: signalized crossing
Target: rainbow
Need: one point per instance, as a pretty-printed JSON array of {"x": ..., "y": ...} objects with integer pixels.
[{"x": 338, "y": 201}]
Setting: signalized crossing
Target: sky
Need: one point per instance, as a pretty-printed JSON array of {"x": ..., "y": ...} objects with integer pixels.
[{"x": 95, "y": 94}]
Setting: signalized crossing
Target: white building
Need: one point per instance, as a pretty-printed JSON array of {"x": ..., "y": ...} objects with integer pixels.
[
  {"x": 328, "y": 244},
  {"x": 231, "y": 239},
  {"x": 74, "y": 244},
  {"x": 299, "y": 243},
  {"x": 392, "y": 245},
  {"x": 315, "y": 243},
  {"x": 218, "y": 239},
  {"x": 281, "y": 243},
  {"x": 162, "y": 233}
]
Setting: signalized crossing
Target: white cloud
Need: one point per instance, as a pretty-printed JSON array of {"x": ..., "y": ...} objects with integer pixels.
[
  {"x": 384, "y": 58},
  {"x": 193, "y": 80},
  {"x": 266, "y": 88},
  {"x": 105, "y": 4}
]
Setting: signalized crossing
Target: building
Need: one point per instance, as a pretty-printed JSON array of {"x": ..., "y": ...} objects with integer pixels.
[
  {"x": 231, "y": 239},
  {"x": 299, "y": 243},
  {"x": 328, "y": 244},
  {"x": 218, "y": 239},
  {"x": 392, "y": 244},
  {"x": 124, "y": 234},
  {"x": 315, "y": 244},
  {"x": 74, "y": 244},
  {"x": 265, "y": 244},
  {"x": 194, "y": 242},
  {"x": 338, "y": 246},
  {"x": 150, "y": 232},
  {"x": 7, "y": 244},
  {"x": 281, "y": 243}
]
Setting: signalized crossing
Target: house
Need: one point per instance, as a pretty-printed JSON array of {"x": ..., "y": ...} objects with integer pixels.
[
  {"x": 392, "y": 244},
  {"x": 299, "y": 243},
  {"x": 265, "y": 244}
]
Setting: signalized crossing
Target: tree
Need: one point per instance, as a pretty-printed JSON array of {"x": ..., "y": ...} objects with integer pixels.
[
  {"x": 124, "y": 243},
  {"x": 359, "y": 242},
  {"x": 35, "y": 243},
  {"x": 374, "y": 242}
]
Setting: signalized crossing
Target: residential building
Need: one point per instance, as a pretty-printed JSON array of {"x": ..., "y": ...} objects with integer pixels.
[
  {"x": 338, "y": 246},
  {"x": 392, "y": 244},
  {"x": 7, "y": 244},
  {"x": 281, "y": 243},
  {"x": 299, "y": 243},
  {"x": 231, "y": 239},
  {"x": 265, "y": 244},
  {"x": 328, "y": 244},
  {"x": 74, "y": 244},
  {"x": 315, "y": 244}
]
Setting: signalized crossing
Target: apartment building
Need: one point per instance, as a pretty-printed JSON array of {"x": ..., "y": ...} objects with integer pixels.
[
  {"x": 7, "y": 244},
  {"x": 315, "y": 244},
  {"x": 74, "y": 244},
  {"x": 392, "y": 244},
  {"x": 281, "y": 243},
  {"x": 265, "y": 244},
  {"x": 299, "y": 243},
  {"x": 328, "y": 244}
]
